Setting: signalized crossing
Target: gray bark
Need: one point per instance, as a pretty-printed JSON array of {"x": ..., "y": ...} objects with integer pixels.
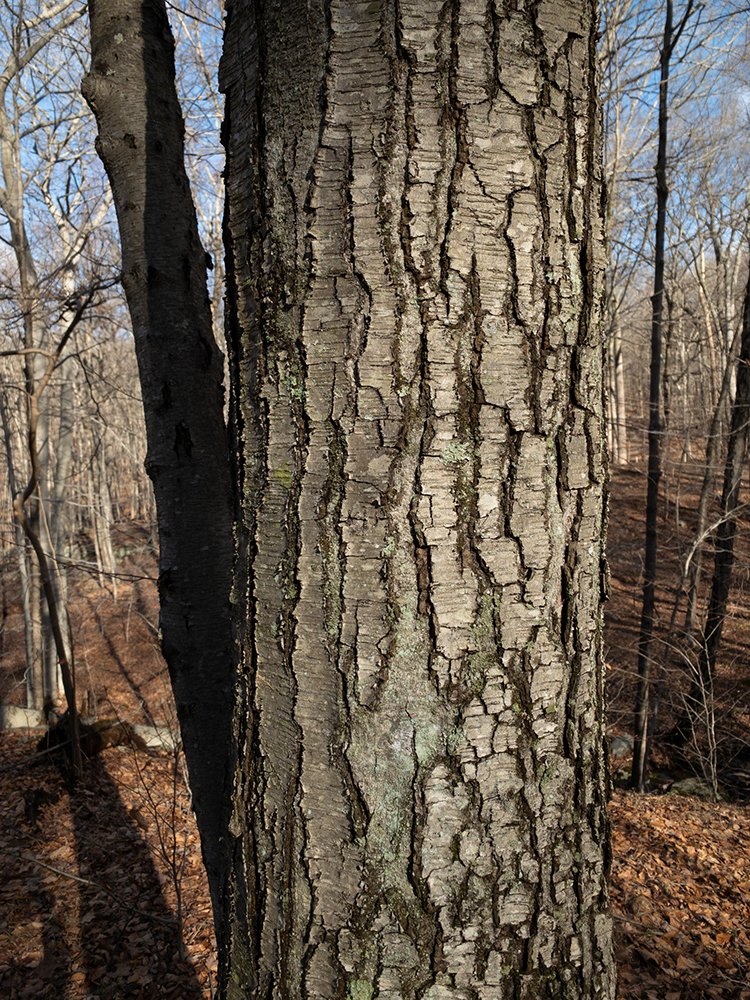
[
  {"x": 617, "y": 426},
  {"x": 414, "y": 265},
  {"x": 714, "y": 442},
  {"x": 42, "y": 645},
  {"x": 34, "y": 697},
  {"x": 102, "y": 516},
  {"x": 29, "y": 300},
  {"x": 56, "y": 527}
]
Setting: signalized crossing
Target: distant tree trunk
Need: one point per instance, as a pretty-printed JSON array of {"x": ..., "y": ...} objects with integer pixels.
[
  {"x": 666, "y": 371},
  {"x": 34, "y": 698},
  {"x": 642, "y": 701},
  {"x": 617, "y": 424},
  {"x": 45, "y": 568},
  {"x": 33, "y": 368},
  {"x": 730, "y": 500},
  {"x": 103, "y": 505},
  {"x": 56, "y": 527},
  {"x": 713, "y": 450}
]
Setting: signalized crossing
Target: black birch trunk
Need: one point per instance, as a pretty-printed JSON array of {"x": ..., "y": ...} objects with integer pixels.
[
  {"x": 414, "y": 259},
  {"x": 730, "y": 501},
  {"x": 132, "y": 93},
  {"x": 642, "y": 715},
  {"x": 414, "y": 266}
]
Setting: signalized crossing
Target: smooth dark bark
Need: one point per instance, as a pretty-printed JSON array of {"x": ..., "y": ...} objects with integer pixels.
[
  {"x": 730, "y": 501},
  {"x": 131, "y": 90},
  {"x": 644, "y": 704}
]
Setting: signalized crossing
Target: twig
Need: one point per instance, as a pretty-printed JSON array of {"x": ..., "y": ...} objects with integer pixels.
[
  {"x": 169, "y": 921},
  {"x": 636, "y": 923}
]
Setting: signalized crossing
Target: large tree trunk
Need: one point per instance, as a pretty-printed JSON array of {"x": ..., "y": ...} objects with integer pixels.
[
  {"x": 131, "y": 90},
  {"x": 414, "y": 264}
]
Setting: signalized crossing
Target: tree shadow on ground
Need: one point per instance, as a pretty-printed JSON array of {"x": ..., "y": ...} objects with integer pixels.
[
  {"x": 114, "y": 656},
  {"x": 130, "y": 944},
  {"x": 45, "y": 975}
]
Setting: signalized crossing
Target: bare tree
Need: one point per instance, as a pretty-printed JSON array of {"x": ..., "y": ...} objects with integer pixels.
[
  {"x": 730, "y": 500},
  {"x": 50, "y": 212},
  {"x": 643, "y": 708},
  {"x": 391, "y": 797},
  {"x": 28, "y": 33}
]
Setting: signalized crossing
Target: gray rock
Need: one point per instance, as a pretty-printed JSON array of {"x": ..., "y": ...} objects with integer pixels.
[
  {"x": 693, "y": 786},
  {"x": 13, "y": 717},
  {"x": 620, "y": 746},
  {"x": 156, "y": 737},
  {"x": 159, "y": 737}
]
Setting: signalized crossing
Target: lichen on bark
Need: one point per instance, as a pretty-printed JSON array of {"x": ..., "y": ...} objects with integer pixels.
[{"x": 414, "y": 233}]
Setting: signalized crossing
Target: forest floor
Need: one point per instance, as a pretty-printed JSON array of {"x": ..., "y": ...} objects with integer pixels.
[{"x": 102, "y": 893}]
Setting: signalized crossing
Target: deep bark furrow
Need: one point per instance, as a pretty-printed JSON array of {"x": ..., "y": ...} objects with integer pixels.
[{"x": 429, "y": 485}]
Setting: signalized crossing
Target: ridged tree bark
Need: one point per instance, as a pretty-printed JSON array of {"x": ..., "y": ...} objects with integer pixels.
[{"x": 414, "y": 263}]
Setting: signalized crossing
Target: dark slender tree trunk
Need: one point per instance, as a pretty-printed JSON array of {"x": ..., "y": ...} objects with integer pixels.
[
  {"x": 648, "y": 607},
  {"x": 132, "y": 93},
  {"x": 730, "y": 500},
  {"x": 713, "y": 450}
]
